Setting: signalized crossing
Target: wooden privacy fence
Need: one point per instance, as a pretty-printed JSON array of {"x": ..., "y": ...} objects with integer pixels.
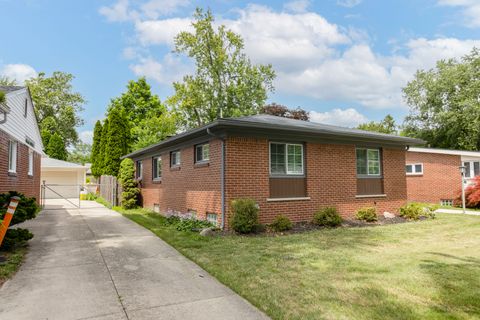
[{"x": 110, "y": 190}]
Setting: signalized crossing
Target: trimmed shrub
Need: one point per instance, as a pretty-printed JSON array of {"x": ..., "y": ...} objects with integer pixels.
[
  {"x": 368, "y": 214},
  {"x": 27, "y": 209},
  {"x": 415, "y": 211},
  {"x": 126, "y": 177},
  {"x": 327, "y": 217},
  {"x": 244, "y": 215},
  {"x": 281, "y": 223}
]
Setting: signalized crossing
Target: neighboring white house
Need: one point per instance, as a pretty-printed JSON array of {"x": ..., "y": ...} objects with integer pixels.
[{"x": 62, "y": 178}]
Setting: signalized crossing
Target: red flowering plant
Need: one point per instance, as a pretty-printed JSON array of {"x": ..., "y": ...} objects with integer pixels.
[{"x": 472, "y": 195}]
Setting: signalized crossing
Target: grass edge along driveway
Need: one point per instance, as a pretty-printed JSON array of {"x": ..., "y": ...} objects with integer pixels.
[{"x": 417, "y": 270}]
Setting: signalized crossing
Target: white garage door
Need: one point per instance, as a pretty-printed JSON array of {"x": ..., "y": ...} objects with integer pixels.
[{"x": 63, "y": 183}]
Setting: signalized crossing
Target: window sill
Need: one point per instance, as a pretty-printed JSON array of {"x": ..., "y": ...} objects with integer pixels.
[
  {"x": 176, "y": 168},
  {"x": 201, "y": 164},
  {"x": 30, "y": 176},
  {"x": 12, "y": 174},
  {"x": 414, "y": 174},
  {"x": 288, "y": 199},
  {"x": 157, "y": 181},
  {"x": 361, "y": 196}
]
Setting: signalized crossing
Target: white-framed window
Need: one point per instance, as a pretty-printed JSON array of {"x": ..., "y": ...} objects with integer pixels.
[
  {"x": 30, "y": 162},
  {"x": 446, "y": 202},
  {"x": 12, "y": 156},
  {"x": 202, "y": 152},
  {"x": 286, "y": 158},
  {"x": 139, "y": 169},
  {"x": 175, "y": 158},
  {"x": 414, "y": 169},
  {"x": 156, "y": 168},
  {"x": 472, "y": 168},
  {"x": 368, "y": 162},
  {"x": 212, "y": 218}
]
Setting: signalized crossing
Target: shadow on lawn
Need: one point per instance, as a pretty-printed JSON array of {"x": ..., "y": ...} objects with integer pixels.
[{"x": 458, "y": 284}]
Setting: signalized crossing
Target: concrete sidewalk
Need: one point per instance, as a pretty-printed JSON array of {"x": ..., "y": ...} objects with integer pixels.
[
  {"x": 459, "y": 211},
  {"x": 92, "y": 263}
]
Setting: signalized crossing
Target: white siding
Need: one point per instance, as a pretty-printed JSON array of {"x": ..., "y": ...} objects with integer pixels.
[{"x": 17, "y": 124}]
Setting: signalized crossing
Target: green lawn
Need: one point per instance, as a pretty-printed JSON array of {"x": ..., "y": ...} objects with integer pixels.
[
  {"x": 13, "y": 261},
  {"x": 418, "y": 270}
]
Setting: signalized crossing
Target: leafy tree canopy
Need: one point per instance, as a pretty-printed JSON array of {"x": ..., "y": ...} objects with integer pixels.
[
  {"x": 153, "y": 129},
  {"x": 81, "y": 153},
  {"x": 56, "y": 147},
  {"x": 387, "y": 125},
  {"x": 444, "y": 104},
  {"x": 54, "y": 97},
  {"x": 225, "y": 83},
  {"x": 6, "y": 81},
  {"x": 282, "y": 111}
]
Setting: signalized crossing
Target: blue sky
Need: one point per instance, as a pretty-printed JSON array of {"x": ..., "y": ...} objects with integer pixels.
[{"x": 344, "y": 60}]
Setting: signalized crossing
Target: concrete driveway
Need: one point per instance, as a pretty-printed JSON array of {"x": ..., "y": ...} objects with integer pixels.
[{"x": 92, "y": 263}]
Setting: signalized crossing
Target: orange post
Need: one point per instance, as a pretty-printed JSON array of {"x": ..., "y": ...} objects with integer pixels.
[{"x": 8, "y": 217}]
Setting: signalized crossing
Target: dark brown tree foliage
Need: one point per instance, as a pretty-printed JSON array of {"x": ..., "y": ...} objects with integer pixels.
[{"x": 282, "y": 111}]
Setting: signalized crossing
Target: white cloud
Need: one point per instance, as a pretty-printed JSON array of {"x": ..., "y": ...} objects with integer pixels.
[
  {"x": 297, "y": 6},
  {"x": 311, "y": 56},
  {"x": 159, "y": 32},
  {"x": 168, "y": 70},
  {"x": 119, "y": 11},
  {"x": 470, "y": 10},
  {"x": 340, "y": 117},
  {"x": 348, "y": 3},
  {"x": 124, "y": 10},
  {"x": 86, "y": 136},
  {"x": 19, "y": 72}
]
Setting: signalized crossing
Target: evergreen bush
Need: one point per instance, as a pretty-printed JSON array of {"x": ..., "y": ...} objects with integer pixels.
[
  {"x": 327, "y": 217},
  {"x": 281, "y": 223},
  {"x": 244, "y": 215},
  {"x": 126, "y": 178}
]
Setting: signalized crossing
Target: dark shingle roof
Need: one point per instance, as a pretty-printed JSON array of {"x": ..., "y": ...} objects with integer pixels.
[
  {"x": 8, "y": 89},
  {"x": 290, "y": 127}
]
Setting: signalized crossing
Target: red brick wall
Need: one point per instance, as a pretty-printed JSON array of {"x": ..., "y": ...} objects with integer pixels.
[
  {"x": 21, "y": 181},
  {"x": 191, "y": 187},
  {"x": 331, "y": 179},
  {"x": 440, "y": 179}
]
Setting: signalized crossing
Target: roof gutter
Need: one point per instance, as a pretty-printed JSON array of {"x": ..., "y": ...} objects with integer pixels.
[{"x": 222, "y": 175}]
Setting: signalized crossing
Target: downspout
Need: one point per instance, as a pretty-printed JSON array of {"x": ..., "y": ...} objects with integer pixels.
[{"x": 222, "y": 175}]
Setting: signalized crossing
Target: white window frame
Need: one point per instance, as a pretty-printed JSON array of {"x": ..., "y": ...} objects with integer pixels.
[
  {"x": 287, "y": 172},
  {"x": 211, "y": 214},
  {"x": 471, "y": 171},
  {"x": 12, "y": 156},
  {"x": 414, "y": 170},
  {"x": 202, "y": 146},
  {"x": 30, "y": 162},
  {"x": 159, "y": 169},
  {"x": 178, "y": 157},
  {"x": 368, "y": 174}
]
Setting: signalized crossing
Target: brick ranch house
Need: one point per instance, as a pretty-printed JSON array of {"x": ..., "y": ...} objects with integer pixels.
[
  {"x": 289, "y": 167},
  {"x": 21, "y": 146},
  {"x": 433, "y": 175}
]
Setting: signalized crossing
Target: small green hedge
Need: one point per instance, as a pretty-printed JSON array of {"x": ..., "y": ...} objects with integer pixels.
[
  {"x": 281, "y": 223},
  {"x": 368, "y": 214},
  {"x": 244, "y": 215},
  {"x": 415, "y": 210},
  {"x": 327, "y": 217}
]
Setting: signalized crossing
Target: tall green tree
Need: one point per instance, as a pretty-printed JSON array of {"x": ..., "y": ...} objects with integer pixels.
[
  {"x": 81, "y": 153},
  {"x": 117, "y": 140},
  {"x": 55, "y": 97},
  {"x": 126, "y": 177},
  {"x": 6, "y": 81},
  {"x": 444, "y": 104},
  {"x": 97, "y": 155},
  {"x": 150, "y": 121},
  {"x": 56, "y": 147},
  {"x": 103, "y": 147},
  {"x": 225, "y": 82},
  {"x": 387, "y": 125}
]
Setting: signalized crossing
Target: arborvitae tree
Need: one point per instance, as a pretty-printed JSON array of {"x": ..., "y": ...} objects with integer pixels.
[
  {"x": 103, "y": 144},
  {"x": 126, "y": 177},
  {"x": 96, "y": 148},
  {"x": 56, "y": 147},
  {"x": 118, "y": 138}
]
